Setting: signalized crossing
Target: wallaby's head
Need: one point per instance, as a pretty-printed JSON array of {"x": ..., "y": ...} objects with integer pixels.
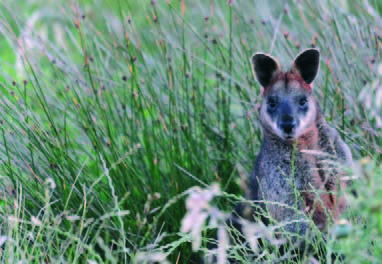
[{"x": 288, "y": 109}]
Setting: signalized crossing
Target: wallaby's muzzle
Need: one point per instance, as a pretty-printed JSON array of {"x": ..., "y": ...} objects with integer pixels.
[{"x": 288, "y": 125}]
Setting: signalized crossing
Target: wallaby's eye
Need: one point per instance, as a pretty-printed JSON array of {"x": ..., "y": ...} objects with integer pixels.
[
  {"x": 303, "y": 101},
  {"x": 272, "y": 103}
]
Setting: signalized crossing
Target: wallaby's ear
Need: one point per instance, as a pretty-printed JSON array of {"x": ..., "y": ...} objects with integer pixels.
[
  {"x": 307, "y": 64},
  {"x": 264, "y": 68}
]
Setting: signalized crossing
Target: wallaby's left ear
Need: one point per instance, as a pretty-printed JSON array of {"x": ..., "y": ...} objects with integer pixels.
[{"x": 307, "y": 64}]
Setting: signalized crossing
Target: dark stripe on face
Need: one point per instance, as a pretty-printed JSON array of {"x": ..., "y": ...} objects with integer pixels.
[
  {"x": 285, "y": 109},
  {"x": 286, "y": 82}
]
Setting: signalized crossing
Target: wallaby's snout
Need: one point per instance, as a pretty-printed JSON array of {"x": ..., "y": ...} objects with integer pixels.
[{"x": 287, "y": 123}]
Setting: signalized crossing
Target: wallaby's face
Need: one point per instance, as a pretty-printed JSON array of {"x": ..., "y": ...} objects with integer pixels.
[{"x": 288, "y": 108}]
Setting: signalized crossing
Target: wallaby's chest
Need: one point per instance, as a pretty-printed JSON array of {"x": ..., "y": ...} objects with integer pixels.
[
  {"x": 283, "y": 178},
  {"x": 292, "y": 170}
]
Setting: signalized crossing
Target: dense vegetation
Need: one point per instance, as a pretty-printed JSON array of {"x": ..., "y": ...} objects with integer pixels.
[{"x": 111, "y": 110}]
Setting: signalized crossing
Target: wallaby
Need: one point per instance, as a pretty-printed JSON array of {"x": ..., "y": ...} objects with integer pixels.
[{"x": 296, "y": 173}]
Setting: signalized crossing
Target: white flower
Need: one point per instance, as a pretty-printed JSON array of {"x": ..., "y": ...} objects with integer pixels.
[
  {"x": 223, "y": 245},
  {"x": 198, "y": 210},
  {"x": 36, "y": 221}
]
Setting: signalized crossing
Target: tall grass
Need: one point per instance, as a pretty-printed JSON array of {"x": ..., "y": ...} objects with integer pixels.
[{"x": 111, "y": 110}]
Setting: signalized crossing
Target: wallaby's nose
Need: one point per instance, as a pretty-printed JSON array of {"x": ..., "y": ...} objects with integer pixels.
[{"x": 287, "y": 124}]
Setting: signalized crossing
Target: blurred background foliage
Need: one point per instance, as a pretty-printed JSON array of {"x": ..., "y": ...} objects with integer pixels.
[{"x": 110, "y": 110}]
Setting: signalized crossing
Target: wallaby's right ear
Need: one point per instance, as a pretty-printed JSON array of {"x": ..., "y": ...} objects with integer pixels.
[{"x": 264, "y": 67}]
